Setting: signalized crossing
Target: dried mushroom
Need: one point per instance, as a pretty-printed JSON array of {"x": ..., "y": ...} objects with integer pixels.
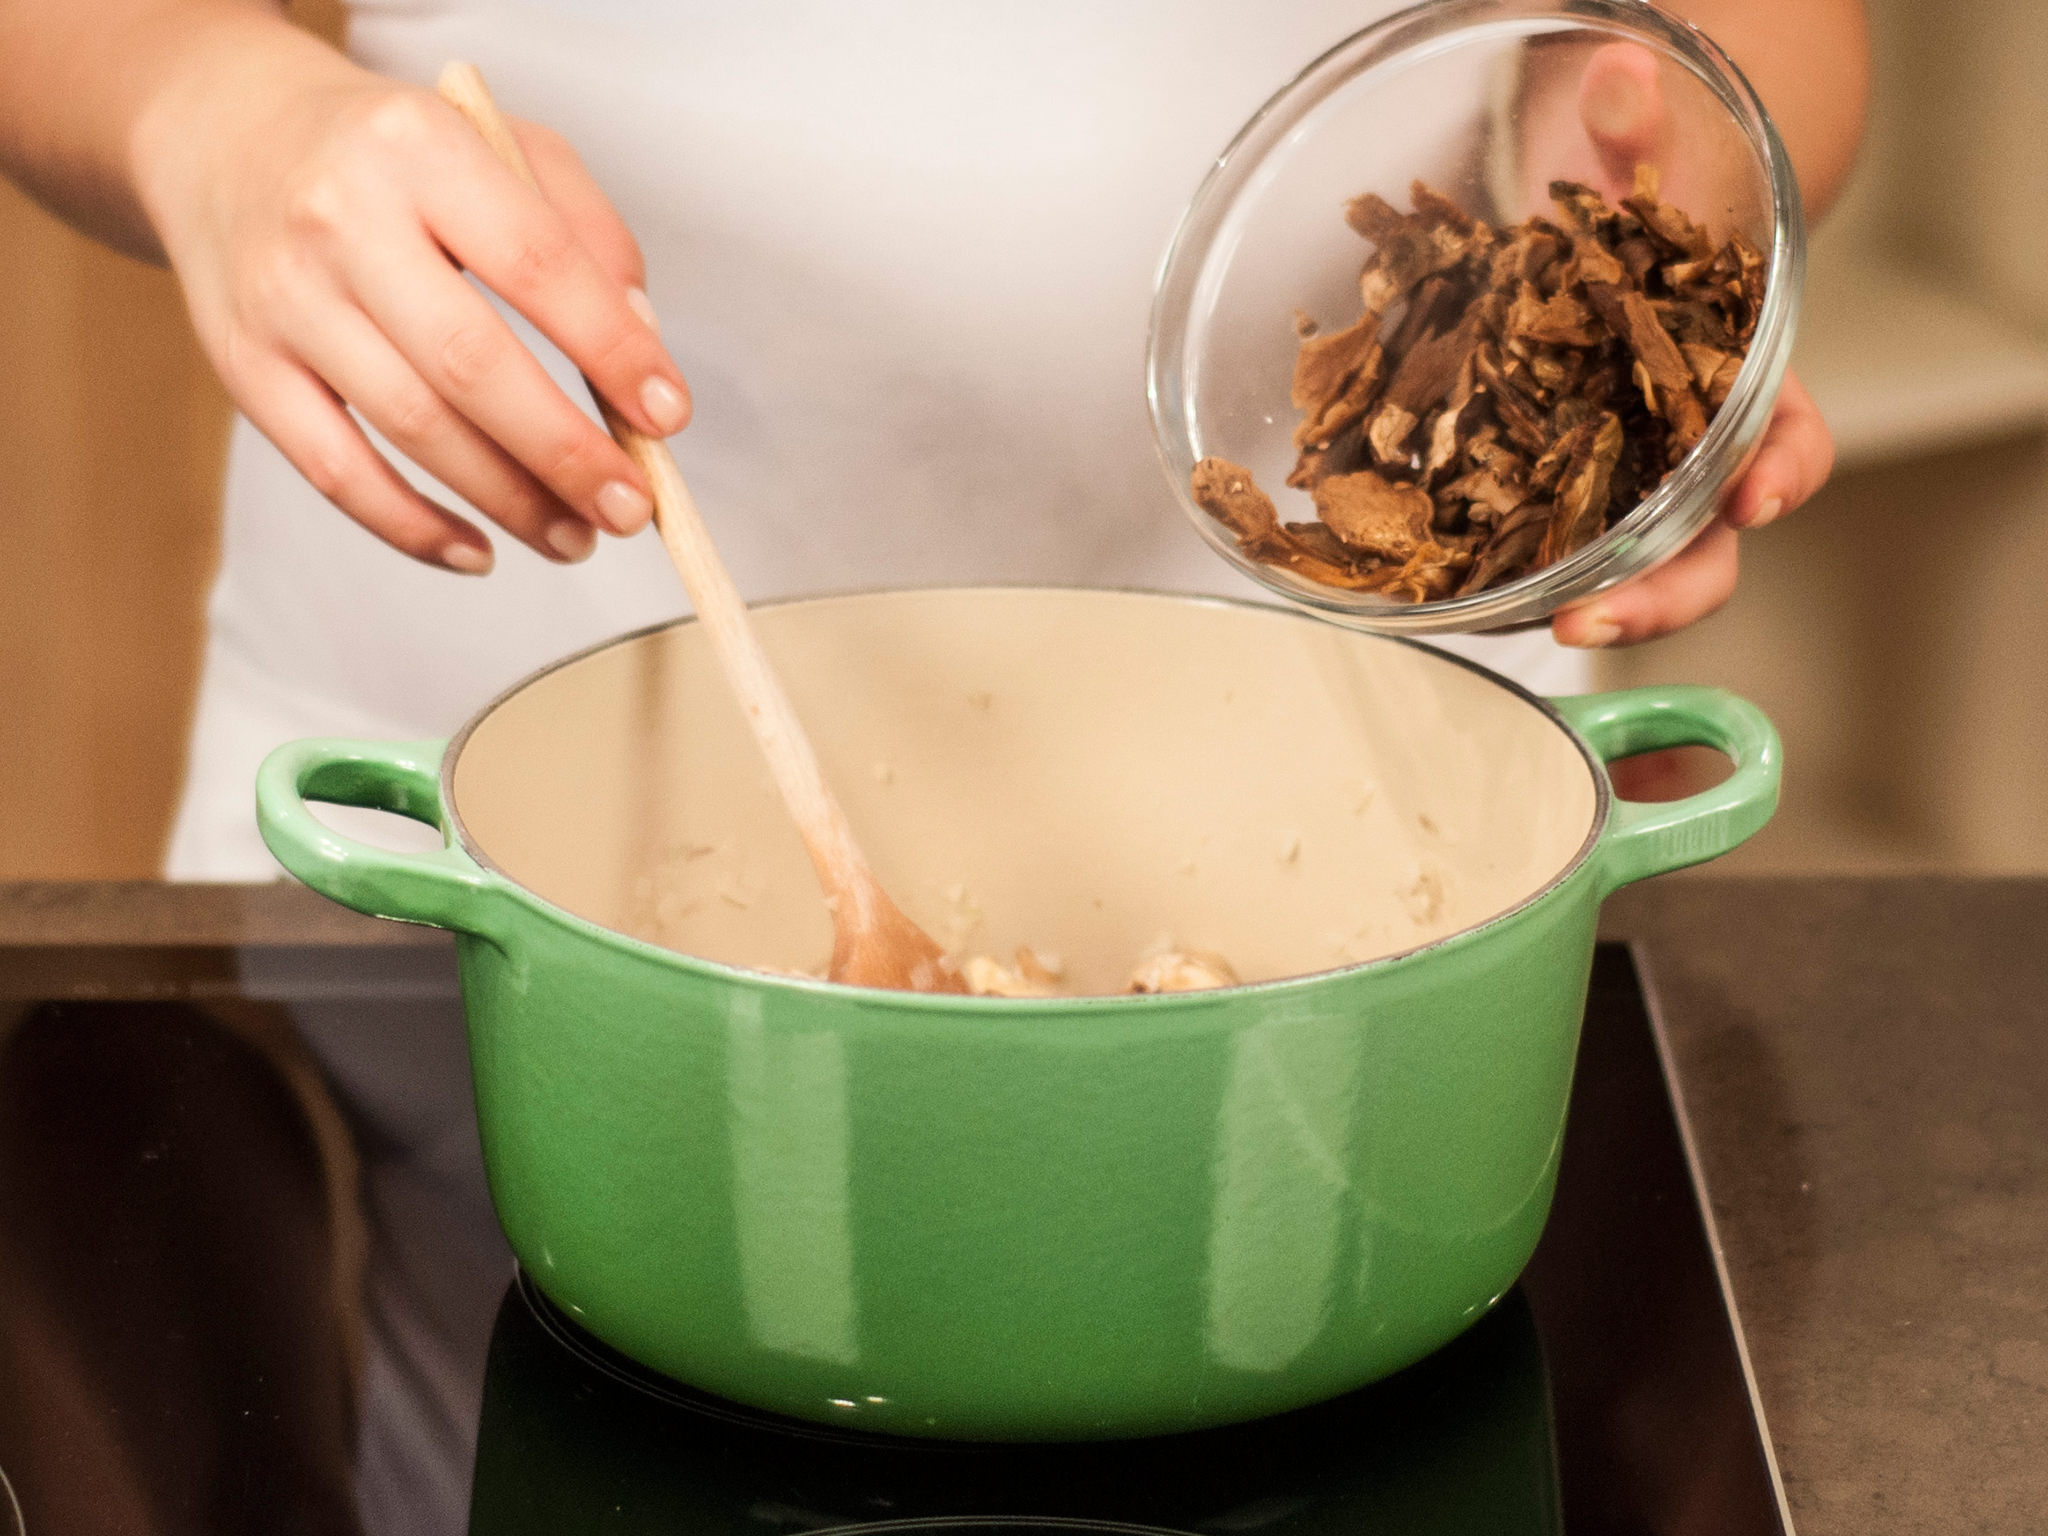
[
  {"x": 1506, "y": 394},
  {"x": 1373, "y": 516}
]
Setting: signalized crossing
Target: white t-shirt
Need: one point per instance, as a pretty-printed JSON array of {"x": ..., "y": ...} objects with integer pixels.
[{"x": 904, "y": 253}]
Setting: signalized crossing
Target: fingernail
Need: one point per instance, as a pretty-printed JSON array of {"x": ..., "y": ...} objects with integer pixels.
[
  {"x": 1766, "y": 511},
  {"x": 571, "y": 538},
  {"x": 623, "y": 509},
  {"x": 1596, "y": 630},
  {"x": 466, "y": 558},
  {"x": 641, "y": 305},
  {"x": 664, "y": 404}
]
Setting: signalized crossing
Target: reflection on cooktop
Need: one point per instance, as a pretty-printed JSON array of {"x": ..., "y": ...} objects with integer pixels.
[
  {"x": 999, "y": 1527},
  {"x": 1461, "y": 1442}
]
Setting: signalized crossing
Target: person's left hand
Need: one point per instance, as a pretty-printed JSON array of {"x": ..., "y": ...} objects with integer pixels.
[{"x": 1600, "y": 125}]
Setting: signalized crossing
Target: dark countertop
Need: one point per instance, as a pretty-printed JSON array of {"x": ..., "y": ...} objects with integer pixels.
[
  {"x": 113, "y": 912},
  {"x": 1865, "y": 1067}
]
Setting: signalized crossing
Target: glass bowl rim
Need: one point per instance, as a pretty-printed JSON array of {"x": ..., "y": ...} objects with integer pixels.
[{"x": 1666, "y": 520}]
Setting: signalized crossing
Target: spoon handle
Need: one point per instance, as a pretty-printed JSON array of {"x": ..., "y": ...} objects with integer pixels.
[{"x": 842, "y": 869}]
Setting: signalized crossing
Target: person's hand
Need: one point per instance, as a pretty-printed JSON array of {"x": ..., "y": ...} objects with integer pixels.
[
  {"x": 1598, "y": 123},
  {"x": 1791, "y": 463},
  {"x": 320, "y": 218}
]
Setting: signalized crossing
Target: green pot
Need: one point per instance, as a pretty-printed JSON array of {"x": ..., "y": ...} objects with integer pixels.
[{"x": 1028, "y": 1218}]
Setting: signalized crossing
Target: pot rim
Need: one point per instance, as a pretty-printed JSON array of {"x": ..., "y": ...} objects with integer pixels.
[{"x": 1603, "y": 802}]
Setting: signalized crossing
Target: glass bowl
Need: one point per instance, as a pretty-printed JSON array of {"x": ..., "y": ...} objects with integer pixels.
[{"x": 1480, "y": 99}]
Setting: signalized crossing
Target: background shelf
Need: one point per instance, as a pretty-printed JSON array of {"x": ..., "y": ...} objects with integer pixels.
[{"x": 1901, "y": 366}]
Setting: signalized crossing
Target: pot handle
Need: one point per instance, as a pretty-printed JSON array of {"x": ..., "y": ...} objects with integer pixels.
[
  {"x": 443, "y": 889},
  {"x": 1644, "y": 840}
]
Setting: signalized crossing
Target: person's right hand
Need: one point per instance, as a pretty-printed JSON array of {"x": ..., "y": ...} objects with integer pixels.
[{"x": 319, "y": 218}]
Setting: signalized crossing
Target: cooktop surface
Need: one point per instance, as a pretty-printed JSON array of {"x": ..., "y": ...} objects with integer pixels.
[{"x": 1607, "y": 1392}]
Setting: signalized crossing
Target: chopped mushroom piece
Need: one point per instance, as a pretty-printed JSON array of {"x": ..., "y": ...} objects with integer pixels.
[
  {"x": 1328, "y": 362},
  {"x": 1483, "y": 488},
  {"x": 1375, "y": 516},
  {"x": 1036, "y": 975},
  {"x": 1505, "y": 395},
  {"x": 1561, "y": 320},
  {"x": 1031, "y": 976},
  {"x": 1660, "y": 369},
  {"x": 1387, "y": 433},
  {"x": 1662, "y": 220},
  {"x": 1583, "y": 492},
  {"x": 1183, "y": 970},
  {"x": 1511, "y": 550},
  {"x": 1225, "y": 491},
  {"x": 1425, "y": 376}
]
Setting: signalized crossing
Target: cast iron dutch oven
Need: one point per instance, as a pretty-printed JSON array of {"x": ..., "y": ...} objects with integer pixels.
[{"x": 1025, "y": 1219}]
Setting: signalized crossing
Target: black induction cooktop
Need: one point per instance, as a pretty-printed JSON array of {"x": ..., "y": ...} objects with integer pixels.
[{"x": 1607, "y": 1393}]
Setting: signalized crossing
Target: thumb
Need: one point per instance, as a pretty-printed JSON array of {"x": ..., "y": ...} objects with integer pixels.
[{"x": 1621, "y": 104}]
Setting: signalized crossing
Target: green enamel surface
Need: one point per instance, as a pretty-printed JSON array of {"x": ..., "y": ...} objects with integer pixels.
[
  {"x": 1644, "y": 840},
  {"x": 445, "y": 889},
  {"x": 1044, "y": 1219},
  {"x": 1044, "y": 1222}
]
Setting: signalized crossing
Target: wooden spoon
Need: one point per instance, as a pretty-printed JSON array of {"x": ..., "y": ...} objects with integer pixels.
[{"x": 873, "y": 943}]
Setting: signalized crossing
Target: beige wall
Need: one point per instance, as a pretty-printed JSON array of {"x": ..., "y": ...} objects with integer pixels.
[
  {"x": 110, "y": 435},
  {"x": 112, "y": 429},
  {"x": 1897, "y": 630}
]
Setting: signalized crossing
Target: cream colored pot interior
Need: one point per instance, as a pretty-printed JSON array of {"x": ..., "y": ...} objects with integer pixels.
[{"x": 1096, "y": 774}]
